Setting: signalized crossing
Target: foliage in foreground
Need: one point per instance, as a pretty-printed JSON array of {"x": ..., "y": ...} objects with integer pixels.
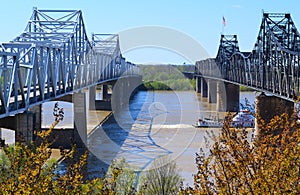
[
  {"x": 234, "y": 165},
  {"x": 119, "y": 179},
  {"x": 161, "y": 178},
  {"x": 27, "y": 170}
]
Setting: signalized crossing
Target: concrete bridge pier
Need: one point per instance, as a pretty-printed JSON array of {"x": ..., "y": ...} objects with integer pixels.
[
  {"x": 105, "y": 103},
  {"x": 204, "y": 88},
  {"x": 123, "y": 89},
  {"x": 221, "y": 97},
  {"x": 198, "y": 84},
  {"x": 92, "y": 97},
  {"x": 232, "y": 97},
  {"x": 117, "y": 99},
  {"x": 269, "y": 106},
  {"x": 105, "y": 94},
  {"x": 24, "y": 124},
  {"x": 80, "y": 119},
  {"x": 212, "y": 91},
  {"x": 78, "y": 134},
  {"x": 228, "y": 97}
]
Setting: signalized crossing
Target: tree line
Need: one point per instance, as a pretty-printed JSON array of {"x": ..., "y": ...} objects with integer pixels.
[{"x": 167, "y": 77}]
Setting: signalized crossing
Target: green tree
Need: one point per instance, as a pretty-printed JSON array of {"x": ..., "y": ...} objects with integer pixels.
[{"x": 162, "y": 178}]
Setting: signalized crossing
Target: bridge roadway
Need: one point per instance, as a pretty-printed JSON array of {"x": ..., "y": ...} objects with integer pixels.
[{"x": 272, "y": 67}]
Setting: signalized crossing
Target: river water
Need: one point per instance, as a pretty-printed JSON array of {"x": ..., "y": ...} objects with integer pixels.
[{"x": 156, "y": 123}]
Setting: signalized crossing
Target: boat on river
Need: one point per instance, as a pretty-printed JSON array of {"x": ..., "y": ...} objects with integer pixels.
[
  {"x": 244, "y": 118},
  {"x": 208, "y": 122}
]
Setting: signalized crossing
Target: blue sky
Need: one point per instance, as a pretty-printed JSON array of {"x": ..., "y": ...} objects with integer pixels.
[{"x": 199, "y": 20}]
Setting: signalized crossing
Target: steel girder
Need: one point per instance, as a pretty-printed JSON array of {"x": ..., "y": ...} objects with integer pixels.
[
  {"x": 54, "y": 57},
  {"x": 228, "y": 46},
  {"x": 273, "y": 64},
  {"x": 107, "y": 45},
  {"x": 220, "y": 66}
]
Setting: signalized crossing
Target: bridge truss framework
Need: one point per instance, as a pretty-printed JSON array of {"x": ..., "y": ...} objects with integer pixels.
[
  {"x": 272, "y": 65},
  {"x": 54, "y": 57}
]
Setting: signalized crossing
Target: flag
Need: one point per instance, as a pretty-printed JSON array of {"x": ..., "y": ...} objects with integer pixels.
[{"x": 224, "y": 21}]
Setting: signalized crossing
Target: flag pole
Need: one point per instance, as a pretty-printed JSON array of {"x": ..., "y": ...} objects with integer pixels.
[
  {"x": 223, "y": 24},
  {"x": 222, "y": 29}
]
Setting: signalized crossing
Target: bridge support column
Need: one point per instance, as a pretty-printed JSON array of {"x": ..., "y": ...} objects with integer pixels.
[
  {"x": 221, "y": 97},
  {"x": 80, "y": 120},
  {"x": 204, "y": 89},
  {"x": 105, "y": 102},
  {"x": 228, "y": 97},
  {"x": 37, "y": 111},
  {"x": 24, "y": 126},
  {"x": 92, "y": 98},
  {"x": 198, "y": 84},
  {"x": 120, "y": 94},
  {"x": 269, "y": 106},
  {"x": 212, "y": 91},
  {"x": 105, "y": 92},
  {"x": 116, "y": 99},
  {"x": 232, "y": 97}
]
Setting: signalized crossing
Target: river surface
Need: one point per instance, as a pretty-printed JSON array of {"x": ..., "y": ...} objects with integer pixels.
[{"x": 156, "y": 123}]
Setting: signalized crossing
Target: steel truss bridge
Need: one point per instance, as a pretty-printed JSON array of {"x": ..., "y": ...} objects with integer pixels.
[
  {"x": 54, "y": 57},
  {"x": 272, "y": 66}
]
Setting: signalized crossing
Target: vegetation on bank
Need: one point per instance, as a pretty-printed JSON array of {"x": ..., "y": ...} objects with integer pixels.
[
  {"x": 170, "y": 77},
  {"x": 167, "y": 77},
  {"x": 243, "y": 88},
  {"x": 178, "y": 85}
]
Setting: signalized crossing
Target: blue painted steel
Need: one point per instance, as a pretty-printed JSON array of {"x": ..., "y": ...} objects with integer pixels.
[{"x": 54, "y": 57}]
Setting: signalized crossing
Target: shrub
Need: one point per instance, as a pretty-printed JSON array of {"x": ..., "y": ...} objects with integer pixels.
[
  {"x": 161, "y": 178},
  {"x": 268, "y": 165}
]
